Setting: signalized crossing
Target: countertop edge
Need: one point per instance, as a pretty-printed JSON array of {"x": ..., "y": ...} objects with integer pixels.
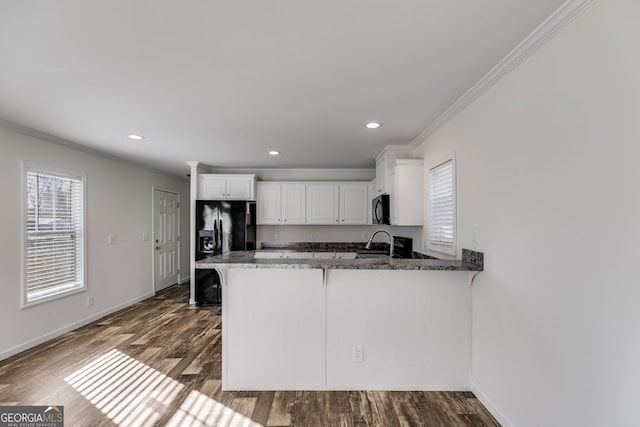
[{"x": 245, "y": 259}]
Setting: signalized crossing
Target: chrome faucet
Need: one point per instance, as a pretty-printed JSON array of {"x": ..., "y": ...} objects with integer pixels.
[{"x": 368, "y": 246}]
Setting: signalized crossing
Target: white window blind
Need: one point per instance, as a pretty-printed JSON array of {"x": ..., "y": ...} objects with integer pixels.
[
  {"x": 55, "y": 235},
  {"x": 442, "y": 223}
]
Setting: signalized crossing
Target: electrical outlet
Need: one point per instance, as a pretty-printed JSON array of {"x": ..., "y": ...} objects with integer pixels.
[
  {"x": 275, "y": 236},
  {"x": 89, "y": 302},
  {"x": 145, "y": 237},
  {"x": 357, "y": 356},
  {"x": 110, "y": 239}
]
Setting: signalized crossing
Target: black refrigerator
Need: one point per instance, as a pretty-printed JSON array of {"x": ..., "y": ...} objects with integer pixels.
[{"x": 221, "y": 226}]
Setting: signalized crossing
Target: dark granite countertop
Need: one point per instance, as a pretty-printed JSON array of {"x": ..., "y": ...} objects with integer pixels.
[{"x": 472, "y": 261}]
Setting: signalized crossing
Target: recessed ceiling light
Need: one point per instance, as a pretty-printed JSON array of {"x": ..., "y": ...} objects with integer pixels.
[
  {"x": 373, "y": 125},
  {"x": 134, "y": 136},
  {"x": 274, "y": 153}
]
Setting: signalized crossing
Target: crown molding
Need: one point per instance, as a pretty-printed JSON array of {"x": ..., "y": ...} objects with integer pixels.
[{"x": 554, "y": 23}]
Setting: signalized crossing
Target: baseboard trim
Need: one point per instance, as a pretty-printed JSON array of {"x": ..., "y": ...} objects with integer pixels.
[
  {"x": 5, "y": 354},
  {"x": 504, "y": 422},
  {"x": 349, "y": 387}
]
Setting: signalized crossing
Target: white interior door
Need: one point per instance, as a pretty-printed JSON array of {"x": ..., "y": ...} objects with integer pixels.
[{"x": 166, "y": 239}]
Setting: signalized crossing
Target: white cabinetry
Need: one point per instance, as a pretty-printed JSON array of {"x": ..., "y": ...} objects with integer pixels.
[
  {"x": 293, "y": 203},
  {"x": 323, "y": 202},
  {"x": 406, "y": 195},
  {"x": 353, "y": 204},
  {"x": 280, "y": 203},
  {"x": 269, "y": 203},
  {"x": 317, "y": 203},
  {"x": 383, "y": 163},
  {"x": 220, "y": 187},
  {"x": 344, "y": 203}
]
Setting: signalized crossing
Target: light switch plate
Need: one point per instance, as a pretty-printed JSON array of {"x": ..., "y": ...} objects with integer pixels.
[{"x": 358, "y": 354}]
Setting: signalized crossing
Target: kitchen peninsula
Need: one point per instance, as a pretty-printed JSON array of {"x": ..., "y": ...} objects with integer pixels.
[{"x": 328, "y": 323}]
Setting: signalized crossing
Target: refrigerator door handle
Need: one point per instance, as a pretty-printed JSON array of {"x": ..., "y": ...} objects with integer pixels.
[{"x": 219, "y": 243}]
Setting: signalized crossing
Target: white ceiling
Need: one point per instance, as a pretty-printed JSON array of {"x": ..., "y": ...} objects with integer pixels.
[{"x": 223, "y": 82}]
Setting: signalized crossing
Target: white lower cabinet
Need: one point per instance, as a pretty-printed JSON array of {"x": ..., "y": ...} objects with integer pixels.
[
  {"x": 298, "y": 255},
  {"x": 324, "y": 255},
  {"x": 267, "y": 254},
  {"x": 311, "y": 321},
  {"x": 345, "y": 255}
]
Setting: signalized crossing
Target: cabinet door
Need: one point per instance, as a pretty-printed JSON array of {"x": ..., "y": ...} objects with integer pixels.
[
  {"x": 293, "y": 204},
  {"x": 298, "y": 255},
  {"x": 406, "y": 196},
  {"x": 324, "y": 255},
  {"x": 353, "y": 204},
  {"x": 322, "y": 204},
  {"x": 393, "y": 196},
  {"x": 268, "y": 255},
  {"x": 268, "y": 205},
  {"x": 381, "y": 176},
  {"x": 211, "y": 187},
  {"x": 240, "y": 188}
]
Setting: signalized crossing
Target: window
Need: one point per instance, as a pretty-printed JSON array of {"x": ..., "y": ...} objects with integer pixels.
[
  {"x": 442, "y": 198},
  {"x": 54, "y": 247}
]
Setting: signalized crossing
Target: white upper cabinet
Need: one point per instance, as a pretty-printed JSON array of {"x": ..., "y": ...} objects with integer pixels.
[
  {"x": 312, "y": 203},
  {"x": 353, "y": 204},
  {"x": 269, "y": 203},
  {"x": 406, "y": 195},
  {"x": 293, "y": 203},
  {"x": 323, "y": 201},
  {"x": 332, "y": 203},
  {"x": 383, "y": 164},
  {"x": 220, "y": 187},
  {"x": 381, "y": 176},
  {"x": 280, "y": 203}
]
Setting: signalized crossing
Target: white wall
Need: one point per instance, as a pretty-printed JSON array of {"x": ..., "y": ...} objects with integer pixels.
[
  {"x": 119, "y": 202},
  {"x": 548, "y": 169}
]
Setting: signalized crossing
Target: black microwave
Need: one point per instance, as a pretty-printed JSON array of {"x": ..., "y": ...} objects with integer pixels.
[{"x": 380, "y": 213}]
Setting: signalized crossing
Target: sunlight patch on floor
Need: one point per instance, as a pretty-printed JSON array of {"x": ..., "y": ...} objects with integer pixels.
[
  {"x": 132, "y": 394},
  {"x": 198, "y": 410},
  {"x": 126, "y": 390}
]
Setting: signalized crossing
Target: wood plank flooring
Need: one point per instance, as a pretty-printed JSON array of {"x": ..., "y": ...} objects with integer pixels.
[{"x": 158, "y": 363}]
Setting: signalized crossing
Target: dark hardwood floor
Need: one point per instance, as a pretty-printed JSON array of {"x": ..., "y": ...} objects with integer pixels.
[{"x": 159, "y": 363}]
